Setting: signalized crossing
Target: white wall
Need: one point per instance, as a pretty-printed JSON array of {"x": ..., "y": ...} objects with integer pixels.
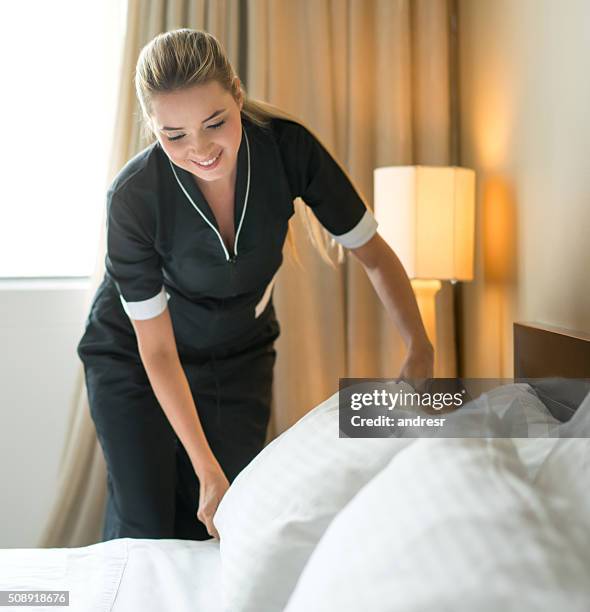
[
  {"x": 41, "y": 323},
  {"x": 525, "y": 123}
]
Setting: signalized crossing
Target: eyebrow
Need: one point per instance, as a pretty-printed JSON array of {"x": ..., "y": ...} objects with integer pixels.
[{"x": 217, "y": 112}]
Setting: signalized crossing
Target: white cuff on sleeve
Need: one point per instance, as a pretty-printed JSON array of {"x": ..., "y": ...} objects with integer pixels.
[
  {"x": 361, "y": 233},
  {"x": 146, "y": 309}
]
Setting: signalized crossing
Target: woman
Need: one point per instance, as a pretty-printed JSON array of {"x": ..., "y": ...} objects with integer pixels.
[{"x": 178, "y": 349}]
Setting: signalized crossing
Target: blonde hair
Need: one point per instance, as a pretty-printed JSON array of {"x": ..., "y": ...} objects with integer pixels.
[{"x": 185, "y": 57}]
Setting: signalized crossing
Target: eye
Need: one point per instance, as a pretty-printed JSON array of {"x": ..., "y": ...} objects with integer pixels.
[{"x": 216, "y": 126}]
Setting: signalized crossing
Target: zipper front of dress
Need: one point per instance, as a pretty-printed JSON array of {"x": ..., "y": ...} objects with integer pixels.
[{"x": 229, "y": 258}]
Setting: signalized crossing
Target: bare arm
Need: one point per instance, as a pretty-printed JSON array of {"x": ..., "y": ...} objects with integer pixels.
[
  {"x": 393, "y": 287},
  {"x": 157, "y": 348}
]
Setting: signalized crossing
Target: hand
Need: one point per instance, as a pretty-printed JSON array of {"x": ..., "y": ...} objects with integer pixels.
[
  {"x": 419, "y": 362},
  {"x": 213, "y": 485}
]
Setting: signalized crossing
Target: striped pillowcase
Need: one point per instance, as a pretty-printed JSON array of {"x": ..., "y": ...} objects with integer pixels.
[{"x": 450, "y": 524}]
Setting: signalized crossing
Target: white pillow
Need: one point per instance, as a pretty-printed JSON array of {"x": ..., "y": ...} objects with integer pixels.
[
  {"x": 278, "y": 507},
  {"x": 449, "y": 524},
  {"x": 508, "y": 411},
  {"x": 522, "y": 412},
  {"x": 566, "y": 470}
]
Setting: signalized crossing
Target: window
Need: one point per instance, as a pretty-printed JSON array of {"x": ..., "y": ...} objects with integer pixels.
[{"x": 60, "y": 65}]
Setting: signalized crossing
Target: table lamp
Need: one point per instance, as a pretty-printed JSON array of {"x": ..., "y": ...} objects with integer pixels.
[{"x": 426, "y": 215}]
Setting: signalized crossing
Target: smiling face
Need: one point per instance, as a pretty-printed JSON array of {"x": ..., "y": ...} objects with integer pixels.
[{"x": 199, "y": 125}]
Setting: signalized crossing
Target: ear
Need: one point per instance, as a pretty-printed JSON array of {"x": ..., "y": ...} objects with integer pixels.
[{"x": 236, "y": 85}]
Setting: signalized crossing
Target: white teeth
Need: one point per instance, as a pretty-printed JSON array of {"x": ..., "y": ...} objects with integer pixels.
[{"x": 208, "y": 163}]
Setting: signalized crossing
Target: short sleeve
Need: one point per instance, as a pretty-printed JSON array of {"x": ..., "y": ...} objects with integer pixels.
[
  {"x": 132, "y": 262},
  {"x": 316, "y": 177}
]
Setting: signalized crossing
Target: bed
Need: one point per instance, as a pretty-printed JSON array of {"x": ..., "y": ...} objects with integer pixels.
[
  {"x": 125, "y": 574},
  {"x": 318, "y": 550}
]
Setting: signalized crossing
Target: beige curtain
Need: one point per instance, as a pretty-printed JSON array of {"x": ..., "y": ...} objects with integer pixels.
[{"x": 372, "y": 78}]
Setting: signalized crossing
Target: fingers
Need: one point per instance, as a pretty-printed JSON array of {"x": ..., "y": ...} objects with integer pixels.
[
  {"x": 210, "y": 494},
  {"x": 207, "y": 520},
  {"x": 211, "y": 527}
]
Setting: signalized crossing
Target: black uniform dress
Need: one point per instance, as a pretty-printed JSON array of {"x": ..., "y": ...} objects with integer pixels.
[{"x": 164, "y": 248}]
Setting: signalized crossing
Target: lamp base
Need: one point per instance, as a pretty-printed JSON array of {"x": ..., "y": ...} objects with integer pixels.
[
  {"x": 435, "y": 302},
  {"x": 425, "y": 292}
]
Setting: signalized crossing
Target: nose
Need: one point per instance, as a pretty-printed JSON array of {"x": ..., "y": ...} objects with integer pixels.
[{"x": 200, "y": 148}]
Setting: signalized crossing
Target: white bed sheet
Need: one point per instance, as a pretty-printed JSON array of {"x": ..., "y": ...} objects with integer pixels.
[
  {"x": 122, "y": 575},
  {"x": 148, "y": 575}
]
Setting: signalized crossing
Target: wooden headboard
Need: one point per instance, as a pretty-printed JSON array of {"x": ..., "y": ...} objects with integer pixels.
[
  {"x": 556, "y": 363},
  {"x": 542, "y": 351}
]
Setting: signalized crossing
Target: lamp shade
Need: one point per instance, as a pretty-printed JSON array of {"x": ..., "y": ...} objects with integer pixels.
[{"x": 426, "y": 215}]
